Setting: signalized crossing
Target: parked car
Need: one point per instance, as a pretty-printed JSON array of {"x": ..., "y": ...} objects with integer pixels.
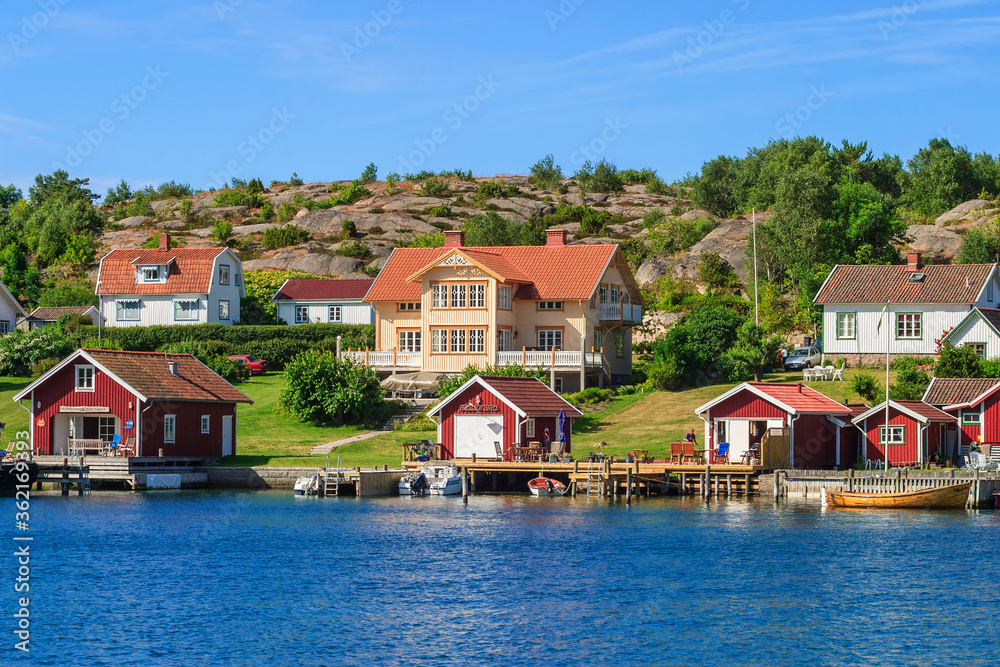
[
  {"x": 803, "y": 357},
  {"x": 257, "y": 366}
]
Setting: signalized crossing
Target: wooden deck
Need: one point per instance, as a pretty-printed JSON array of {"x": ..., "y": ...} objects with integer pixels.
[{"x": 120, "y": 469}]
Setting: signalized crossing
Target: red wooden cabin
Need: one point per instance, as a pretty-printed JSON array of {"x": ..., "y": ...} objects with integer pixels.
[
  {"x": 975, "y": 404},
  {"x": 915, "y": 431},
  {"x": 508, "y": 410},
  {"x": 167, "y": 402}
]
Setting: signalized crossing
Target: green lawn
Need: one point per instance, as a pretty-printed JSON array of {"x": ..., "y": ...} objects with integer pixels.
[{"x": 11, "y": 413}]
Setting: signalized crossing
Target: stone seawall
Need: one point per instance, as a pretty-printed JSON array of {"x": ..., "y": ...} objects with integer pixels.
[{"x": 256, "y": 478}]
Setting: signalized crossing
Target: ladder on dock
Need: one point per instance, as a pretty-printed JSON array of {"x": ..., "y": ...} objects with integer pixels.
[
  {"x": 594, "y": 476},
  {"x": 331, "y": 480},
  {"x": 84, "y": 478}
]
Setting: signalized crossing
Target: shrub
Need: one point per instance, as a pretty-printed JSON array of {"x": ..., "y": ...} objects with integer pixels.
[
  {"x": 222, "y": 231},
  {"x": 20, "y": 350},
  {"x": 866, "y": 386},
  {"x": 171, "y": 190},
  {"x": 910, "y": 385},
  {"x": 958, "y": 362},
  {"x": 281, "y": 237},
  {"x": 439, "y": 211},
  {"x": 320, "y": 388},
  {"x": 433, "y": 187},
  {"x": 497, "y": 190},
  {"x": 654, "y": 217},
  {"x": 590, "y": 396},
  {"x": 287, "y": 211},
  {"x": 428, "y": 240},
  {"x": 140, "y": 205},
  {"x": 266, "y": 211},
  {"x": 43, "y": 366},
  {"x": 295, "y": 180},
  {"x": 355, "y": 249},
  {"x": 602, "y": 177},
  {"x": 255, "y": 187},
  {"x": 370, "y": 174},
  {"x": 908, "y": 363},
  {"x": 69, "y": 294},
  {"x": 545, "y": 173},
  {"x": 348, "y": 228},
  {"x": 356, "y": 192},
  {"x": 238, "y": 197},
  {"x": 390, "y": 182},
  {"x": 716, "y": 272},
  {"x": 666, "y": 376},
  {"x": 375, "y": 230},
  {"x": 185, "y": 207}
]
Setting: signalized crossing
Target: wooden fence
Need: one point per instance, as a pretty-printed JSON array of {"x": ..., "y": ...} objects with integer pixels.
[{"x": 809, "y": 483}]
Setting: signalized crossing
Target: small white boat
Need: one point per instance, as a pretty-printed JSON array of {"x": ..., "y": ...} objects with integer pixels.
[
  {"x": 433, "y": 480},
  {"x": 307, "y": 486},
  {"x": 546, "y": 486}
]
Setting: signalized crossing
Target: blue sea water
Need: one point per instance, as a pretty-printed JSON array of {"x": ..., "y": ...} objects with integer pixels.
[{"x": 263, "y": 578}]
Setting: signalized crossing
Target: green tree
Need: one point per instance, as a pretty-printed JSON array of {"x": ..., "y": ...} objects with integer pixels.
[
  {"x": 255, "y": 187},
  {"x": 51, "y": 225},
  {"x": 222, "y": 231},
  {"x": 118, "y": 194},
  {"x": 320, "y": 388},
  {"x": 491, "y": 229},
  {"x": 753, "y": 351},
  {"x": 601, "y": 177},
  {"x": 697, "y": 342},
  {"x": 9, "y": 196},
  {"x": 910, "y": 385},
  {"x": 867, "y": 387},
  {"x": 68, "y": 294},
  {"x": 370, "y": 174},
  {"x": 940, "y": 177},
  {"x": 80, "y": 251},
  {"x": 256, "y": 307},
  {"x": 545, "y": 173},
  {"x": 864, "y": 218},
  {"x": 390, "y": 182},
  {"x": 715, "y": 189},
  {"x": 59, "y": 186},
  {"x": 982, "y": 245},
  {"x": 449, "y": 386},
  {"x": 958, "y": 362},
  {"x": 23, "y": 281}
]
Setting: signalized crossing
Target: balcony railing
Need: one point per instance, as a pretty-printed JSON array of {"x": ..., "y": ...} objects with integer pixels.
[
  {"x": 529, "y": 359},
  {"x": 619, "y": 312},
  {"x": 390, "y": 359}
]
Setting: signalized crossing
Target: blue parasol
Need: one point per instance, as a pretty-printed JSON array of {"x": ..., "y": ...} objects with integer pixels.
[{"x": 561, "y": 427}]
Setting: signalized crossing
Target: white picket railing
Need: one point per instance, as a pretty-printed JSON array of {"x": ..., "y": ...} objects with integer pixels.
[
  {"x": 380, "y": 359},
  {"x": 548, "y": 359},
  {"x": 618, "y": 312}
]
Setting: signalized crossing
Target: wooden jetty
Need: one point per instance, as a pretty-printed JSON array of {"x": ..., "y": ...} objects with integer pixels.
[{"x": 129, "y": 472}]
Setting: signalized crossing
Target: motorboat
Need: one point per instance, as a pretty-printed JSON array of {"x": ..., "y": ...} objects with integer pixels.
[
  {"x": 946, "y": 497},
  {"x": 441, "y": 479},
  {"x": 17, "y": 474},
  {"x": 308, "y": 486},
  {"x": 546, "y": 486}
]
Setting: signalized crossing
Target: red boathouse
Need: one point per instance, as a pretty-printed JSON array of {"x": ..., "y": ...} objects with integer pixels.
[
  {"x": 507, "y": 410},
  {"x": 975, "y": 403},
  {"x": 915, "y": 430},
  {"x": 157, "y": 402}
]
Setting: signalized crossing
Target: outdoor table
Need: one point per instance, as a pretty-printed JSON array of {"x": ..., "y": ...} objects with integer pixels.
[
  {"x": 528, "y": 453},
  {"x": 410, "y": 451}
]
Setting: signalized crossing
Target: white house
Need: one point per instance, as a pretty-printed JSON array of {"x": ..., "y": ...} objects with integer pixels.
[
  {"x": 981, "y": 330},
  {"x": 324, "y": 300},
  {"x": 924, "y": 303},
  {"x": 139, "y": 287},
  {"x": 10, "y": 311}
]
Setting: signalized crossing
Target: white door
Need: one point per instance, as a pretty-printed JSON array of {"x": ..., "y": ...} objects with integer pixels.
[
  {"x": 227, "y": 435},
  {"x": 475, "y": 434},
  {"x": 738, "y": 432}
]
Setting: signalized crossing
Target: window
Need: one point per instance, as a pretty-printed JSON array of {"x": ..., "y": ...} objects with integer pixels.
[
  {"x": 223, "y": 274},
  {"x": 908, "y": 325},
  {"x": 477, "y": 296},
  {"x": 85, "y": 378},
  {"x": 185, "y": 310},
  {"x": 458, "y": 340},
  {"x": 106, "y": 428},
  {"x": 127, "y": 310},
  {"x": 237, "y": 279},
  {"x": 409, "y": 341},
  {"x": 550, "y": 305},
  {"x": 504, "y": 294},
  {"x": 980, "y": 349},
  {"x": 301, "y": 314},
  {"x": 620, "y": 345},
  {"x": 477, "y": 341},
  {"x": 971, "y": 417},
  {"x": 529, "y": 428},
  {"x": 896, "y": 435},
  {"x": 989, "y": 291},
  {"x": 169, "y": 428},
  {"x": 334, "y": 313},
  {"x": 439, "y": 296},
  {"x": 550, "y": 339},
  {"x": 558, "y": 387},
  {"x": 614, "y": 295},
  {"x": 603, "y": 294},
  {"x": 458, "y": 296},
  {"x": 4, "y": 327},
  {"x": 598, "y": 340},
  {"x": 439, "y": 340},
  {"x": 503, "y": 340},
  {"x": 223, "y": 309},
  {"x": 846, "y": 326},
  {"x": 150, "y": 274},
  {"x": 410, "y": 306},
  {"x": 206, "y": 421}
]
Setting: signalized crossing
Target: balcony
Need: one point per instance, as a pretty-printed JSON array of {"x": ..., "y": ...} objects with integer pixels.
[
  {"x": 412, "y": 361},
  {"x": 618, "y": 312}
]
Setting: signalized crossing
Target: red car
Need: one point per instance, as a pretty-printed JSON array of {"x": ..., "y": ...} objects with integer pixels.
[{"x": 257, "y": 366}]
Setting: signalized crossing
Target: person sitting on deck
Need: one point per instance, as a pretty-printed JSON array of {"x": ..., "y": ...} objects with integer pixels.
[
  {"x": 547, "y": 441},
  {"x": 691, "y": 437}
]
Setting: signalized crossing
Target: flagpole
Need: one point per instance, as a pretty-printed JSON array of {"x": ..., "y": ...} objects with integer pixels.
[
  {"x": 887, "y": 339},
  {"x": 756, "y": 308}
]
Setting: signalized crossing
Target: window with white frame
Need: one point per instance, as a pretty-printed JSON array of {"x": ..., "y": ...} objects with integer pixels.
[
  {"x": 614, "y": 295},
  {"x": 603, "y": 293},
  {"x": 439, "y": 340},
  {"x": 503, "y": 340},
  {"x": 909, "y": 325},
  {"x": 150, "y": 274},
  {"x": 106, "y": 428},
  {"x": 127, "y": 310},
  {"x": 409, "y": 341},
  {"x": 223, "y": 274},
  {"x": 896, "y": 435},
  {"x": 550, "y": 339},
  {"x": 333, "y": 312},
  {"x": 550, "y": 305},
  {"x": 458, "y": 340},
  {"x": 206, "y": 423},
  {"x": 980, "y": 349},
  {"x": 846, "y": 326},
  {"x": 185, "y": 310},
  {"x": 477, "y": 295},
  {"x": 529, "y": 428},
  {"x": 84, "y": 378},
  {"x": 598, "y": 340},
  {"x": 458, "y": 296},
  {"x": 223, "y": 309},
  {"x": 972, "y": 417},
  {"x": 439, "y": 296},
  {"x": 477, "y": 341},
  {"x": 169, "y": 428},
  {"x": 504, "y": 296},
  {"x": 301, "y": 314},
  {"x": 4, "y": 327},
  {"x": 237, "y": 278}
]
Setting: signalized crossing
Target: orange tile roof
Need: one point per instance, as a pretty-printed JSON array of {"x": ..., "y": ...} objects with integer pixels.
[
  {"x": 551, "y": 272},
  {"x": 148, "y": 373},
  {"x": 189, "y": 273},
  {"x": 802, "y": 398},
  {"x": 944, "y": 283}
]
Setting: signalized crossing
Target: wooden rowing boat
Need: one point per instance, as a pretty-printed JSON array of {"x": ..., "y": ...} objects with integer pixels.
[{"x": 945, "y": 497}]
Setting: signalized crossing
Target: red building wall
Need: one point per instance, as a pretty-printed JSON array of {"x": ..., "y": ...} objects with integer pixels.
[
  {"x": 991, "y": 419},
  {"x": 189, "y": 440},
  {"x": 815, "y": 442},
  {"x": 898, "y": 454},
  {"x": 745, "y": 405},
  {"x": 510, "y": 421}
]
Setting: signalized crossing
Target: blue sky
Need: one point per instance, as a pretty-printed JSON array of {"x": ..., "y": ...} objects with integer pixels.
[{"x": 154, "y": 91}]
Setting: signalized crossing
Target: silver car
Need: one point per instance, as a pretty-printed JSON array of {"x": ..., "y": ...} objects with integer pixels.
[{"x": 803, "y": 357}]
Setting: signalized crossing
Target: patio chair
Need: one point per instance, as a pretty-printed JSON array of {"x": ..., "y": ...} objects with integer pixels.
[
  {"x": 676, "y": 451},
  {"x": 128, "y": 449},
  {"x": 721, "y": 455},
  {"x": 827, "y": 372},
  {"x": 114, "y": 447},
  {"x": 688, "y": 452},
  {"x": 838, "y": 373},
  {"x": 500, "y": 452}
]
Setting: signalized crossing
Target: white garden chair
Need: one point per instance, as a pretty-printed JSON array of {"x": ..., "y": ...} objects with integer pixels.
[
  {"x": 828, "y": 372},
  {"x": 838, "y": 373}
]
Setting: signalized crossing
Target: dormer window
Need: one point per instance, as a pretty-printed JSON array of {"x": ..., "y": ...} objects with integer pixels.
[
  {"x": 151, "y": 274},
  {"x": 223, "y": 274}
]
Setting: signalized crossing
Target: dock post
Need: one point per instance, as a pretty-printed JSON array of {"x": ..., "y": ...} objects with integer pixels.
[
  {"x": 729, "y": 486},
  {"x": 465, "y": 485},
  {"x": 777, "y": 484},
  {"x": 472, "y": 481},
  {"x": 684, "y": 484},
  {"x": 850, "y": 480},
  {"x": 746, "y": 486},
  {"x": 65, "y": 477},
  {"x": 628, "y": 487}
]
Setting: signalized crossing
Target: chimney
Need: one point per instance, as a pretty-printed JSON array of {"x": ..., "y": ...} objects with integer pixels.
[
  {"x": 454, "y": 238},
  {"x": 164, "y": 241},
  {"x": 172, "y": 365},
  {"x": 913, "y": 261},
  {"x": 555, "y": 238}
]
